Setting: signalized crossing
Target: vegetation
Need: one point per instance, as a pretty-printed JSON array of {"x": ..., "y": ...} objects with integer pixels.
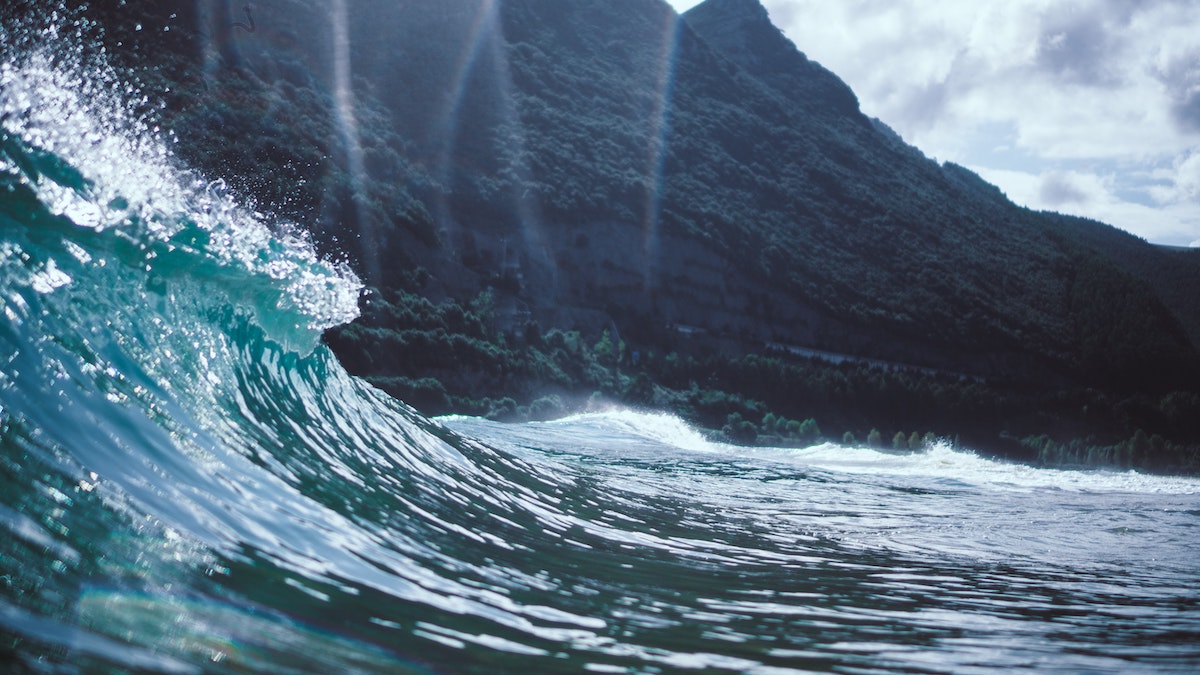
[
  {"x": 515, "y": 184},
  {"x": 457, "y": 359}
]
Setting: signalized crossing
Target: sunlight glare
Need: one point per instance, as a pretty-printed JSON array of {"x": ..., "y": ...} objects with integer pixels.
[
  {"x": 348, "y": 126},
  {"x": 660, "y": 123},
  {"x": 486, "y": 33}
]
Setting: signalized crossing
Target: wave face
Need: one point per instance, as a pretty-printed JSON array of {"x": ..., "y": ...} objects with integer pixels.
[{"x": 189, "y": 482}]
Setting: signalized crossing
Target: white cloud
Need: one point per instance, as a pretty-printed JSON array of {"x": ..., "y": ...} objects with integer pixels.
[
  {"x": 1185, "y": 181},
  {"x": 930, "y": 69}
]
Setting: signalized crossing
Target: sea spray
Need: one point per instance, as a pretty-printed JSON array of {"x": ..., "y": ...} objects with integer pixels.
[{"x": 71, "y": 135}]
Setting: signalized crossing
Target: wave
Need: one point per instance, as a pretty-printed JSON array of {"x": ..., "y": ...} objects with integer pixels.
[
  {"x": 940, "y": 460},
  {"x": 190, "y": 482},
  {"x": 944, "y": 461},
  {"x": 167, "y": 413}
]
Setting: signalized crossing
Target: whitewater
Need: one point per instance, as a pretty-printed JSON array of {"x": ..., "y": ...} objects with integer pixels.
[{"x": 190, "y": 482}]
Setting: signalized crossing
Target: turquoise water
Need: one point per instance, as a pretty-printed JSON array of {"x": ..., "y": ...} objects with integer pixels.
[{"x": 190, "y": 482}]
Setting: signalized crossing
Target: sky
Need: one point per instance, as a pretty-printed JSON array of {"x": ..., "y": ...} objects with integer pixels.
[{"x": 1086, "y": 107}]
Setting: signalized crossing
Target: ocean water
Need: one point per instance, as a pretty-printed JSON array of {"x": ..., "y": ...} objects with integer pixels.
[{"x": 190, "y": 482}]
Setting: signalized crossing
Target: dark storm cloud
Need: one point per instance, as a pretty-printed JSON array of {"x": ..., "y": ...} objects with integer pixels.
[
  {"x": 923, "y": 105},
  {"x": 1057, "y": 189},
  {"x": 1181, "y": 77},
  {"x": 1078, "y": 47},
  {"x": 1187, "y": 112}
]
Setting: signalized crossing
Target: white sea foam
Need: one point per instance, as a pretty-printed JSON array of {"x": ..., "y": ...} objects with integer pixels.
[
  {"x": 941, "y": 460},
  {"x": 654, "y": 426}
]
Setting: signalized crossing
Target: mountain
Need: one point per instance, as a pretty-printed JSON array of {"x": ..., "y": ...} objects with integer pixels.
[
  {"x": 1040, "y": 260},
  {"x": 693, "y": 186},
  {"x": 742, "y": 31}
]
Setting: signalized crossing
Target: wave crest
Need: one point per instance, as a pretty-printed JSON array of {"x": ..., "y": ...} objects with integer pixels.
[{"x": 77, "y": 158}]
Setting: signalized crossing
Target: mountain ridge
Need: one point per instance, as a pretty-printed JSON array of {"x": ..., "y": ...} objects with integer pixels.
[
  {"x": 763, "y": 49},
  {"x": 742, "y": 30},
  {"x": 685, "y": 186}
]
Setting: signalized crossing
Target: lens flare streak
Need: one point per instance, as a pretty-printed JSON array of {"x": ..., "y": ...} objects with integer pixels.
[
  {"x": 656, "y": 152},
  {"x": 348, "y": 125}
]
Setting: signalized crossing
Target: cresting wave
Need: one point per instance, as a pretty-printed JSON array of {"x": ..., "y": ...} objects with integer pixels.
[
  {"x": 86, "y": 157},
  {"x": 189, "y": 482}
]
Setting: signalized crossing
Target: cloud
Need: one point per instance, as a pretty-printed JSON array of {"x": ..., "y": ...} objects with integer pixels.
[
  {"x": 1187, "y": 179},
  {"x": 1179, "y": 183},
  {"x": 1057, "y": 189},
  {"x": 1187, "y": 111},
  {"x": 1180, "y": 76},
  {"x": 1075, "y": 47},
  {"x": 1176, "y": 63}
]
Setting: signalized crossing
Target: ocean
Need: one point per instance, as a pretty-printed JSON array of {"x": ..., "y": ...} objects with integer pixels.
[{"x": 190, "y": 482}]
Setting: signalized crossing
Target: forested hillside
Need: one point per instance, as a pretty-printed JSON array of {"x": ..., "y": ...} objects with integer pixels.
[{"x": 522, "y": 181}]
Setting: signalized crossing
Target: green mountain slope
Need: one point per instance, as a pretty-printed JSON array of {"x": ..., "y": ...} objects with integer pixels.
[
  {"x": 694, "y": 186},
  {"x": 1026, "y": 269}
]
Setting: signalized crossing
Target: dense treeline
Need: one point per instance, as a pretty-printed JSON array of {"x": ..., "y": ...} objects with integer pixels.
[
  {"x": 456, "y": 358},
  {"x": 774, "y": 172}
]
